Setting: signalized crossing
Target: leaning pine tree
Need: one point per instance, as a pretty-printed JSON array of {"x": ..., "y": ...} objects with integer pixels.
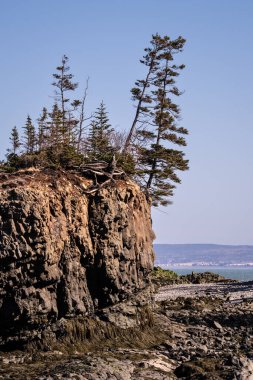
[
  {"x": 157, "y": 131},
  {"x": 141, "y": 94}
]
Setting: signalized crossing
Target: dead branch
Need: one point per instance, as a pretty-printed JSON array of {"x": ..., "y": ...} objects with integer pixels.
[{"x": 101, "y": 172}]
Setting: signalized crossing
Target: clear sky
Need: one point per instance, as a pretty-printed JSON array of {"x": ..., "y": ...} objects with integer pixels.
[{"x": 104, "y": 40}]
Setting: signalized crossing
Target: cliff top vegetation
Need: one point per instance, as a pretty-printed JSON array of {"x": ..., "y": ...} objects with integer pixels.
[{"x": 66, "y": 136}]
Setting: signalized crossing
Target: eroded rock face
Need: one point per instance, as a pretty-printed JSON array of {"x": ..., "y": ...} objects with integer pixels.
[{"x": 64, "y": 253}]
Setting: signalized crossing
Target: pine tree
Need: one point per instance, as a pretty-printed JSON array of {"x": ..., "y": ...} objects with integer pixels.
[
  {"x": 99, "y": 146},
  {"x": 59, "y": 152},
  {"x": 64, "y": 84},
  {"x": 14, "y": 139},
  {"x": 158, "y": 160},
  {"x": 140, "y": 92},
  {"x": 53, "y": 141},
  {"x": 42, "y": 129},
  {"x": 92, "y": 146},
  {"x": 29, "y": 136},
  {"x": 12, "y": 153}
]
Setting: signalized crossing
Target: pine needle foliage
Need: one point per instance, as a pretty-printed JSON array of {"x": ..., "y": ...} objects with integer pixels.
[
  {"x": 151, "y": 152},
  {"x": 99, "y": 147},
  {"x": 156, "y": 129},
  {"x": 29, "y": 136},
  {"x": 15, "y": 142}
]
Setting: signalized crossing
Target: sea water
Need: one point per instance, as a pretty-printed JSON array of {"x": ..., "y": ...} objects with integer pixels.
[{"x": 241, "y": 273}]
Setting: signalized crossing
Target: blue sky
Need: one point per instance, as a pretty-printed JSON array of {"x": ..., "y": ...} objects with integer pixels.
[{"x": 104, "y": 40}]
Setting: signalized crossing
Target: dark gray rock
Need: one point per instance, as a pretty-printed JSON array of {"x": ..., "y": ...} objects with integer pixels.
[{"x": 64, "y": 253}]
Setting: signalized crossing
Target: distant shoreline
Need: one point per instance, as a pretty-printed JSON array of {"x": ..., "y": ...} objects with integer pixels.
[
  {"x": 197, "y": 266},
  {"x": 204, "y": 255},
  {"x": 234, "y": 272}
]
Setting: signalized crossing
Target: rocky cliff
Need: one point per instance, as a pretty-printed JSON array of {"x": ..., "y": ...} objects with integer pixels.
[{"x": 65, "y": 253}]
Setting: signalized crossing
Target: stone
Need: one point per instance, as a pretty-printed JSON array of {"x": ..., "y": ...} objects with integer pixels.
[
  {"x": 65, "y": 253},
  {"x": 217, "y": 325},
  {"x": 246, "y": 372}
]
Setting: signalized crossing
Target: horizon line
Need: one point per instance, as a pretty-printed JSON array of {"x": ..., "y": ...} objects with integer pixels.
[{"x": 222, "y": 244}]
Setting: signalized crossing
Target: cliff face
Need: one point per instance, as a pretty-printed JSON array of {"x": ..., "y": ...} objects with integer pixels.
[{"x": 64, "y": 253}]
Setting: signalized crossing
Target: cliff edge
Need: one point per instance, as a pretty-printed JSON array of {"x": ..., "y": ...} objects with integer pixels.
[{"x": 65, "y": 253}]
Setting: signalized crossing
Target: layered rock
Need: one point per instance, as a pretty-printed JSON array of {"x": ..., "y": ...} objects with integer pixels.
[{"x": 63, "y": 252}]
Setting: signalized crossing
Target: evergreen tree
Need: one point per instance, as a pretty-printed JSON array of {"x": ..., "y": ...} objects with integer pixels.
[
  {"x": 12, "y": 155},
  {"x": 42, "y": 129},
  {"x": 29, "y": 136},
  {"x": 99, "y": 146},
  {"x": 55, "y": 125},
  {"x": 64, "y": 84},
  {"x": 158, "y": 161},
  {"x": 59, "y": 152},
  {"x": 92, "y": 144},
  {"x": 140, "y": 92},
  {"x": 54, "y": 139},
  {"x": 15, "y": 142}
]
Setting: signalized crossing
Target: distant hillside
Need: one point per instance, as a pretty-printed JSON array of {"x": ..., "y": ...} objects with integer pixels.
[{"x": 212, "y": 254}]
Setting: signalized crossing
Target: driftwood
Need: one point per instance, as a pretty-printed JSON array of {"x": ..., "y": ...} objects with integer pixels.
[{"x": 101, "y": 172}]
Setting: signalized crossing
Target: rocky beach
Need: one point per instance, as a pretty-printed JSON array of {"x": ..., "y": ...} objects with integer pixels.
[
  {"x": 194, "y": 331},
  {"x": 80, "y": 298}
]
